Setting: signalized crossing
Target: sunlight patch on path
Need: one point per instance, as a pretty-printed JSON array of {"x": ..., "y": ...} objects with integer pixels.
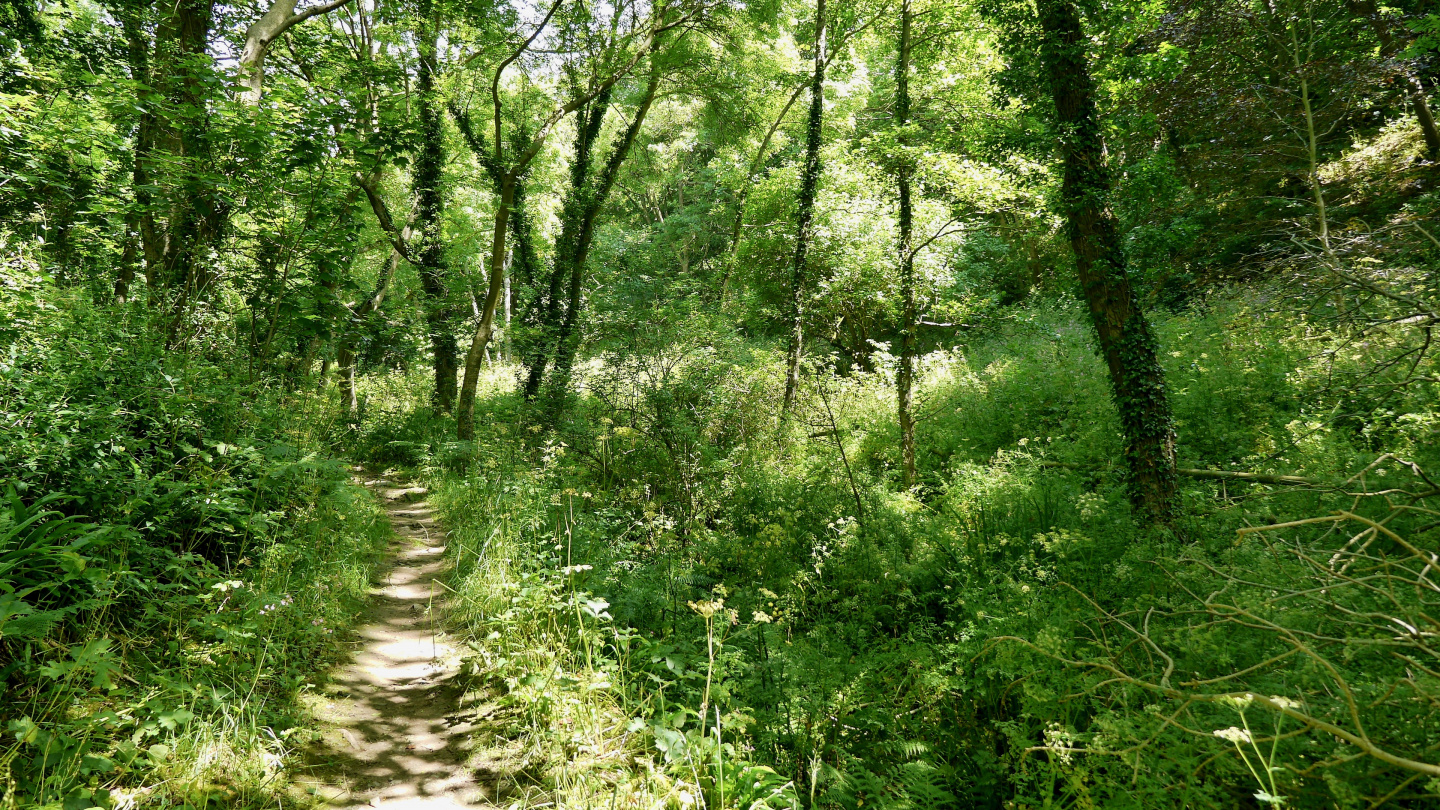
[{"x": 394, "y": 725}]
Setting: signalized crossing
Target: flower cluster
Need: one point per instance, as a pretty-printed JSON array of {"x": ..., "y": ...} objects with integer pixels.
[
  {"x": 1233, "y": 734},
  {"x": 271, "y": 607}
]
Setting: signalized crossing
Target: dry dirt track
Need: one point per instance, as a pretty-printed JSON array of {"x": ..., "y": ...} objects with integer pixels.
[{"x": 395, "y": 728}]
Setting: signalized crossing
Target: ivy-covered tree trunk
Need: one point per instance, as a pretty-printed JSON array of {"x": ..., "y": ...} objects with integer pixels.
[
  {"x": 465, "y": 417},
  {"x": 905, "y": 375},
  {"x": 1136, "y": 379},
  {"x": 567, "y": 339},
  {"x": 524, "y": 258},
  {"x": 567, "y": 245},
  {"x": 805, "y": 213},
  {"x": 429, "y": 214},
  {"x": 140, "y": 220}
]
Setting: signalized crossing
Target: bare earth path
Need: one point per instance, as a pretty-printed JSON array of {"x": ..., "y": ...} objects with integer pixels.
[{"x": 394, "y": 726}]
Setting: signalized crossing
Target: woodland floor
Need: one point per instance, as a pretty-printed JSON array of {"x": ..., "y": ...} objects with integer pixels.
[{"x": 395, "y": 723}]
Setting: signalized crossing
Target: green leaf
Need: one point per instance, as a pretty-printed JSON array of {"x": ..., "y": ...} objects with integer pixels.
[{"x": 175, "y": 718}]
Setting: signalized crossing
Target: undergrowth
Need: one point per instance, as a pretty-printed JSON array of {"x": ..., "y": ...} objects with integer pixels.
[
  {"x": 176, "y": 557},
  {"x": 682, "y": 607}
]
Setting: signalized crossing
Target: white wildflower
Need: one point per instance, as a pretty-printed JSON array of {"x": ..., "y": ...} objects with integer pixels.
[
  {"x": 1233, "y": 734},
  {"x": 1239, "y": 704}
]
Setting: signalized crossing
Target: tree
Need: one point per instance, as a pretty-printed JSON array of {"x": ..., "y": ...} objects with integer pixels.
[
  {"x": 905, "y": 374},
  {"x": 280, "y": 18},
  {"x": 180, "y": 148},
  {"x": 576, "y": 220},
  {"x": 805, "y": 211},
  {"x": 506, "y": 175},
  {"x": 1414, "y": 88},
  {"x": 399, "y": 248},
  {"x": 1126, "y": 343},
  {"x": 618, "y": 62},
  {"x": 430, "y": 209},
  {"x": 140, "y": 218},
  {"x": 571, "y": 253}
]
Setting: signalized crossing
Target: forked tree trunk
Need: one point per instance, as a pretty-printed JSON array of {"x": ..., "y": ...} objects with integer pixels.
[
  {"x": 567, "y": 245},
  {"x": 805, "y": 213},
  {"x": 524, "y": 258},
  {"x": 277, "y": 20},
  {"x": 905, "y": 375},
  {"x": 1137, "y": 381},
  {"x": 567, "y": 340},
  {"x": 465, "y": 413}
]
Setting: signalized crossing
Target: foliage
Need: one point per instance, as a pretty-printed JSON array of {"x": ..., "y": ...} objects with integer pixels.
[
  {"x": 211, "y": 292},
  {"x": 174, "y": 561},
  {"x": 957, "y": 649}
]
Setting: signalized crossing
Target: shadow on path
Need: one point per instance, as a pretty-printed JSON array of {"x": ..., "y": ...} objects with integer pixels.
[{"x": 395, "y": 726}]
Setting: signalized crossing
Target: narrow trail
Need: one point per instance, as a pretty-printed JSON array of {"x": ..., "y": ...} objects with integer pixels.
[{"x": 395, "y": 727}]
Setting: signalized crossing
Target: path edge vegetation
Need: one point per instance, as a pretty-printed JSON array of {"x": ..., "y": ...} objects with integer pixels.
[{"x": 159, "y": 622}]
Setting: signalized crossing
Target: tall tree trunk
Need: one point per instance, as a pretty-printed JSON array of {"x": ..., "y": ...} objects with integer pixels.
[
  {"x": 567, "y": 246},
  {"x": 196, "y": 212},
  {"x": 524, "y": 261},
  {"x": 567, "y": 339},
  {"x": 524, "y": 258},
  {"x": 465, "y": 414},
  {"x": 1136, "y": 379},
  {"x": 737, "y": 223},
  {"x": 142, "y": 219},
  {"x": 905, "y": 376},
  {"x": 429, "y": 215},
  {"x": 805, "y": 215}
]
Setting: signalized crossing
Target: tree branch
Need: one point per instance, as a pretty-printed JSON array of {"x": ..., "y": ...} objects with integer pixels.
[
  {"x": 382, "y": 213},
  {"x": 276, "y": 21}
]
